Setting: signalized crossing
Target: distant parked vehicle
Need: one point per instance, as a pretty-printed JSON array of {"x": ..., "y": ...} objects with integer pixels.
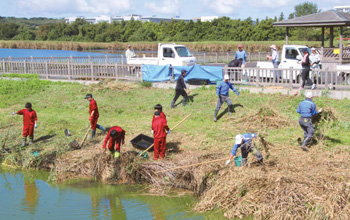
[{"x": 173, "y": 54}]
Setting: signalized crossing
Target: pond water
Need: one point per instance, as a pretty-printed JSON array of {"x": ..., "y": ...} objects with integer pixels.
[
  {"x": 5, "y": 52},
  {"x": 28, "y": 195}
]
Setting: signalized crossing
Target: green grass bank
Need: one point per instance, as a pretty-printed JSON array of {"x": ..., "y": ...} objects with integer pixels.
[{"x": 308, "y": 184}]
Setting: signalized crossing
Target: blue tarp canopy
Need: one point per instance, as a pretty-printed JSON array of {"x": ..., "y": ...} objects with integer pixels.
[
  {"x": 155, "y": 73},
  {"x": 163, "y": 73},
  {"x": 213, "y": 73}
]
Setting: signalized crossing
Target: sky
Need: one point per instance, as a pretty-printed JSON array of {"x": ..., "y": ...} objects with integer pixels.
[{"x": 234, "y": 9}]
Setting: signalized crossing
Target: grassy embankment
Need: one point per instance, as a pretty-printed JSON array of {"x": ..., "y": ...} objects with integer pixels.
[
  {"x": 205, "y": 46},
  {"x": 292, "y": 183}
]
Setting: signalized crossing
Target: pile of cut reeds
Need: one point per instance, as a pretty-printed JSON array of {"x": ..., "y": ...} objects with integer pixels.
[{"x": 314, "y": 185}]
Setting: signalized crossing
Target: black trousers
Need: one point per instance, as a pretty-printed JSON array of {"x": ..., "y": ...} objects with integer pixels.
[
  {"x": 305, "y": 77},
  {"x": 179, "y": 92}
]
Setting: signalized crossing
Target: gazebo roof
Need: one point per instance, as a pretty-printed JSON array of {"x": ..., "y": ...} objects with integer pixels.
[{"x": 321, "y": 19}]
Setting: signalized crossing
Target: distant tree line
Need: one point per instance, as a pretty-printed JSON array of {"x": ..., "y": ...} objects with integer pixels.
[{"x": 221, "y": 29}]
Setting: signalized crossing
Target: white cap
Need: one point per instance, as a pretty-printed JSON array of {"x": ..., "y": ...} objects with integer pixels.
[
  {"x": 308, "y": 95},
  {"x": 226, "y": 77},
  {"x": 239, "y": 138},
  {"x": 313, "y": 48}
]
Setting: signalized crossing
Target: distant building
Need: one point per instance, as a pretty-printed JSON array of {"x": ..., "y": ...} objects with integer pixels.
[
  {"x": 209, "y": 18},
  {"x": 342, "y": 8},
  {"x": 136, "y": 17}
]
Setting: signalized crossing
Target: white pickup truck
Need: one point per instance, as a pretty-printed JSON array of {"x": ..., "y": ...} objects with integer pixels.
[
  {"x": 291, "y": 57},
  {"x": 176, "y": 55}
]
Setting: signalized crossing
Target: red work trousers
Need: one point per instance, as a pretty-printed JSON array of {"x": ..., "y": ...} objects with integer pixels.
[
  {"x": 113, "y": 143},
  {"x": 93, "y": 123},
  {"x": 159, "y": 147},
  {"x": 28, "y": 130}
]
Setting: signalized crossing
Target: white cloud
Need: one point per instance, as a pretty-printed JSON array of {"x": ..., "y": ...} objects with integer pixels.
[
  {"x": 57, "y": 7},
  {"x": 221, "y": 6},
  {"x": 271, "y": 4},
  {"x": 171, "y": 7}
]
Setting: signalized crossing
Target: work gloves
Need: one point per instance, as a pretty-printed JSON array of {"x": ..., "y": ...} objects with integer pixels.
[
  {"x": 169, "y": 131},
  {"x": 35, "y": 126},
  {"x": 13, "y": 113},
  {"x": 227, "y": 162}
]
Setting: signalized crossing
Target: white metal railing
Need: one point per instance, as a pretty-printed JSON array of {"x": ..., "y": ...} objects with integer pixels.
[
  {"x": 73, "y": 71},
  {"x": 290, "y": 78},
  {"x": 250, "y": 76}
]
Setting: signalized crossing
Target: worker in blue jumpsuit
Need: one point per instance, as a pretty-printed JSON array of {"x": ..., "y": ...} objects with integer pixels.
[
  {"x": 222, "y": 91},
  {"x": 307, "y": 109},
  {"x": 245, "y": 143}
]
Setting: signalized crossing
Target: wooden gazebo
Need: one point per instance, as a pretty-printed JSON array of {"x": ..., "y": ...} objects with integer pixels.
[{"x": 327, "y": 19}]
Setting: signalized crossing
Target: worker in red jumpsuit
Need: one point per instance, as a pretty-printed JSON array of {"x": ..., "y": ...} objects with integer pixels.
[
  {"x": 29, "y": 123},
  {"x": 159, "y": 128},
  {"x": 116, "y": 137},
  {"x": 93, "y": 110},
  {"x": 159, "y": 108}
]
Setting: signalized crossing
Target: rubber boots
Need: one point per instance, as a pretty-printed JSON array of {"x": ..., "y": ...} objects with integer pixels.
[
  {"x": 215, "y": 114},
  {"x": 24, "y": 142},
  {"x": 173, "y": 104},
  {"x": 116, "y": 155},
  {"x": 101, "y": 128},
  {"x": 93, "y": 134},
  {"x": 184, "y": 101},
  {"x": 30, "y": 140},
  {"x": 306, "y": 141}
]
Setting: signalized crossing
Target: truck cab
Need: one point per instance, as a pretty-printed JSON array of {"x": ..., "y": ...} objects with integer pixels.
[
  {"x": 173, "y": 54},
  {"x": 291, "y": 56}
]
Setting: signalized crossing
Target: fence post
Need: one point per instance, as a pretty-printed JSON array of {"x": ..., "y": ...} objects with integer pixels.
[
  {"x": 259, "y": 58},
  {"x": 47, "y": 70},
  {"x": 204, "y": 60},
  {"x": 25, "y": 66},
  {"x": 92, "y": 71},
  {"x": 258, "y": 75},
  {"x": 32, "y": 64},
  {"x": 116, "y": 71},
  {"x": 216, "y": 54},
  {"x": 122, "y": 60},
  {"x": 326, "y": 78},
  {"x": 68, "y": 66},
  {"x": 71, "y": 59},
  {"x": 291, "y": 77},
  {"x": 51, "y": 59},
  {"x": 11, "y": 67},
  {"x": 89, "y": 58},
  {"x": 106, "y": 60},
  {"x": 227, "y": 59},
  {"x": 3, "y": 66},
  {"x": 249, "y": 57}
]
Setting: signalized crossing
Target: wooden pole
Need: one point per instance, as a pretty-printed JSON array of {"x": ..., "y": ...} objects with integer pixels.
[
  {"x": 82, "y": 142},
  {"x": 192, "y": 165},
  {"x": 7, "y": 134},
  {"x": 170, "y": 129}
]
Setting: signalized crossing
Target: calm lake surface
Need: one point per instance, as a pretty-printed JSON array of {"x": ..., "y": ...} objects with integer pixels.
[
  {"x": 28, "y": 195},
  {"x": 5, "y": 52}
]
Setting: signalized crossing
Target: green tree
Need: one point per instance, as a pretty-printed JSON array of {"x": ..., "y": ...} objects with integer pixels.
[{"x": 306, "y": 8}]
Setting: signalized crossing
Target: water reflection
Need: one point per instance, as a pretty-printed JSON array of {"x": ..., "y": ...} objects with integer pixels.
[
  {"x": 27, "y": 195},
  {"x": 31, "y": 198}
]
